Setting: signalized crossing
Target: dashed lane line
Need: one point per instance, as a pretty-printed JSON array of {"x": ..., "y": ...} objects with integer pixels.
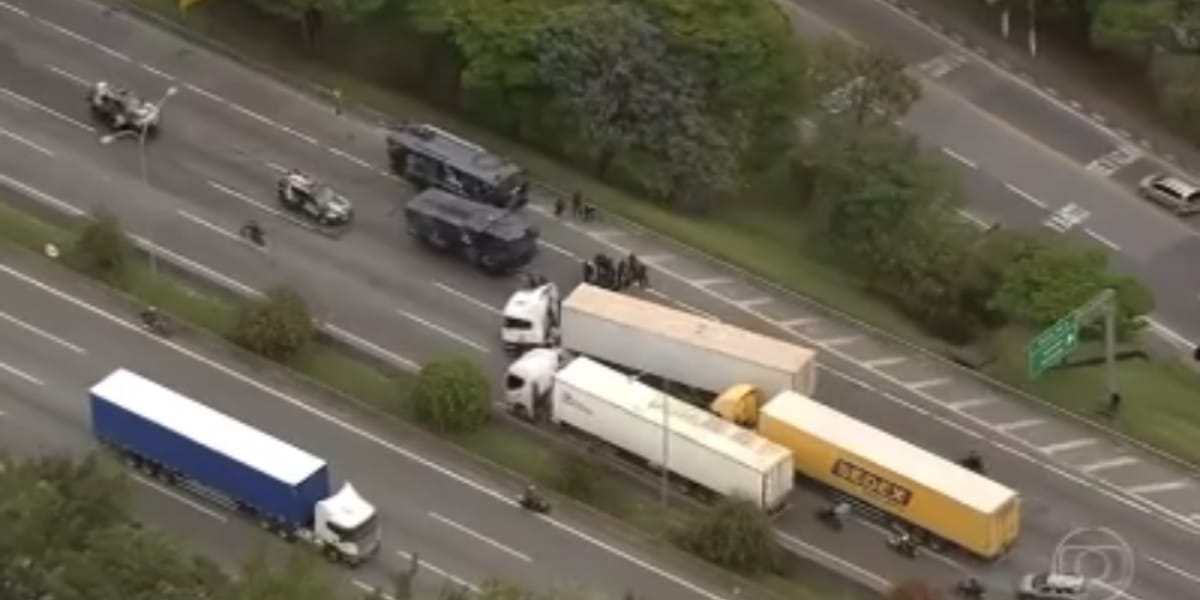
[
  {"x": 962, "y": 405},
  {"x": 20, "y": 374},
  {"x": 451, "y": 523},
  {"x": 47, "y": 110},
  {"x": 1068, "y": 445},
  {"x": 465, "y": 297},
  {"x": 1026, "y": 195},
  {"x": 442, "y": 330},
  {"x": 1103, "y": 240},
  {"x": 558, "y": 249},
  {"x": 1012, "y": 426},
  {"x": 43, "y": 333},
  {"x": 443, "y": 573},
  {"x": 221, "y": 231},
  {"x": 960, "y": 158},
  {"x": 840, "y": 341},
  {"x": 65, "y": 74},
  {"x": 886, "y": 361},
  {"x": 26, "y": 142},
  {"x": 181, "y": 498},
  {"x": 16, "y": 9},
  {"x": 928, "y": 383},
  {"x": 1154, "y": 488},
  {"x": 1112, "y": 463},
  {"x": 1172, "y": 568}
]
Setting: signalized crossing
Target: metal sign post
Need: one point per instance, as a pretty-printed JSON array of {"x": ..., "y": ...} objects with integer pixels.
[{"x": 1053, "y": 344}]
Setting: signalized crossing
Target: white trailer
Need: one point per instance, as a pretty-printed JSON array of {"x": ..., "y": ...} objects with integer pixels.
[
  {"x": 700, "y": 447},
  {"x": 682, "y": 347}
]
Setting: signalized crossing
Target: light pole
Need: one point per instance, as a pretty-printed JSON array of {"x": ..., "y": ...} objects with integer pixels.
[
  {"x": 141, "y": 133},
  {"x": 664, "y": 479}
]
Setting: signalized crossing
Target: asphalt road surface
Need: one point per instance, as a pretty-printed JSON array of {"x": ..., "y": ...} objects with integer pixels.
[
  {"x": 1032, "y": 158},
  {"x": 229, "y": 131},
  {"x": 59, "y": 336}
]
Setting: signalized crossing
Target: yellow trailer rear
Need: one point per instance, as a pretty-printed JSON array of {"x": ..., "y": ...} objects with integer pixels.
[{"x": 917, "y": 486}]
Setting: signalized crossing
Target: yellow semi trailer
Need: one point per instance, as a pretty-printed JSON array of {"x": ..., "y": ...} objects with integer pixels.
[{"x": 899, "y": 478}]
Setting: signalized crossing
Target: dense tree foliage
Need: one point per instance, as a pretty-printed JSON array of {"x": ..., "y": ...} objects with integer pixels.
[
  {"x": 736, "y": 534},
  {"x": 102, "y": 250},
  {"x": 451, "y": 396},
  {"x": 276, "y": 326}
]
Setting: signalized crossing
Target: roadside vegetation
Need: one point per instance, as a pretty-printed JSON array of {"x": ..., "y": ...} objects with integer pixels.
[
  {"x": 68, "y": 534},
  {"x": 450, "y": 398},
  {"x": 727, "y": 133}
]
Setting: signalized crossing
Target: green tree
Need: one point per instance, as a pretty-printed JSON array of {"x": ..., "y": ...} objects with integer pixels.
[
  {"x": 102, "y": 250},
  {"x": 276, "y": 326},
  {"x": 451, "y": 396},
  {"x": 1177, "y": 81},
  {"x": 311, "y": 14},
  {"x": 1132, "y": 27},
  {"x": 735, "y": 534},
  {"x": 301, "y": 577},
  {"x": 862, "y": 84}
]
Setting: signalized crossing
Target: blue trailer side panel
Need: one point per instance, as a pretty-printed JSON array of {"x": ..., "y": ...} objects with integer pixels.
[{"x": 293, "y": 504}]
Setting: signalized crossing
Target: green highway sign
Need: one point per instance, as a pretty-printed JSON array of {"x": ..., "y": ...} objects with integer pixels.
[{"x": 1052, "y": 345}]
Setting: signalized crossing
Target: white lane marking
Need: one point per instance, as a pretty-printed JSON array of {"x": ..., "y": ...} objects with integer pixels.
[
  {"x": 972, "y": 403},
  {"x": 16, "y": 9},
  {"x": 41, "y": 196},
  {"x": 244, "y": 198},
  {"x": 1173, "y": 336},
  {"x": 928, "y": 383},
  {"x": 798, "y": 322},
  {"x": 978, "y": 221},
  {"x": 655, "y": 259},
  {"x": 1115, "y": 160},
  {"x": 372, "y": 589},
  {"x": 840, "y": 341},
  {"x": 467, "y": 298},
  {"x": 154, "y": 71},
  {"x": 65, "y": 74},
  {"x": 886, "y": 361},
  {"x": 400, "y": 361},
  {"x": 274, "y": 166},
  {"x": 360, "y": 432},
  {"x": 180, "y": 497},
  {"x": 1113, "y": 463},
  {"x": 1015, "y": 425},
  {"x": 47, "y": 110},
  {"x": 1172, "y": 568},
  {"x": 42, "y": 332},
  {"x": 684, "y": 305},
  {"x": 29, "y": 143},
  {"x": 442, "y": 330},
  {"x": 607, "y": 233},
  {"x": 752, "y": 302},
  {"x": 1068, "y": 445},
  {"x": 479, "y": 536},
  {"x": 559, "y": 249},
  {"x": 710, "y": 281},
  {"x": 1063, "y": 219},
  {"x": 1026, "y": 195},
  {"x": 963, "y": 429},
  {"x": 19, "y": 373},
  {"x": 219, "y": 230},
  {"x": 203, "y": 92},
  {"x": 1103, "y": 240},
  {"x": 350, "y": 157},
  {"x": 871, "y": 578},
  {"x": 439, "y": 571},
  {"x": 960, "y": 158},
  {"x": 1153, "y": 488}
]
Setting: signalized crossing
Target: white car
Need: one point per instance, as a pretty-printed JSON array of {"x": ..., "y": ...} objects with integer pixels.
[
  {"x": 1177, "y": 195},
  {"x": 1051, "y": 586}
]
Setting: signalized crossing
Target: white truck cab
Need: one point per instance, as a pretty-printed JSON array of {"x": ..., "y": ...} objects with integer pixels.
[
  {"x": 531, "y": 318},
  {"x": 530, "y": 380},
  {"x": 346, "y": 526}
]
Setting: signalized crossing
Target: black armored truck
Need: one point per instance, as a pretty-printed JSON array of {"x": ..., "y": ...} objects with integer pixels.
[
  {"x": 495, "y": 240},
  {"x": 431, "y": 157}
]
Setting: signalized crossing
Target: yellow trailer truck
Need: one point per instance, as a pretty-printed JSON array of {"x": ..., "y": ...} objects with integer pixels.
[{"x": 903, "y": 480}]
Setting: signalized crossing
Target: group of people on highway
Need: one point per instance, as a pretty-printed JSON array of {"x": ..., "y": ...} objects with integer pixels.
[{"x": 615, "y": 275}]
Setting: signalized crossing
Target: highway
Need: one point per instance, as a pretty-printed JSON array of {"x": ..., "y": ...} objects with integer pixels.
[
  {"x": 1031, "y": 157},
  {"x": 217, "y": 160},
  {"x": 59, "y": 336}
]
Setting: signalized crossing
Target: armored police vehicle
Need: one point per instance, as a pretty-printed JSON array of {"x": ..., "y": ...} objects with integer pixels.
[
  {"x": 431, "y": 157},
  {"x": 495, "y": 240},
  {"x": 120, "y": 109}
]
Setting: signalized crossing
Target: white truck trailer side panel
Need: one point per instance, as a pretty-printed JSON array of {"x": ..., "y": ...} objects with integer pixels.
[
  {"x": 701, "y": 447},
  {"x": 680, "y": 346}
]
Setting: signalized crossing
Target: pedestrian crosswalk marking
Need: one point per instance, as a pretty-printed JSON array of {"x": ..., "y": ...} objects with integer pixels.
[{"x": 1067, "y": 217}]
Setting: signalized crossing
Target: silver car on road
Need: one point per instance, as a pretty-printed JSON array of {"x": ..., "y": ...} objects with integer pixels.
[{"x": 1177, "y": 195}]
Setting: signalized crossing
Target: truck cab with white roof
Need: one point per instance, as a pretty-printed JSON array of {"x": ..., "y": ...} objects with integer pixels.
[{"x": 531, "y": 318}]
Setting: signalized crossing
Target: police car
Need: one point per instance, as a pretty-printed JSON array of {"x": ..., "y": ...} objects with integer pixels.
[
  {"x": 120, "y": 109},
  {"x": 301, "y": 193}
]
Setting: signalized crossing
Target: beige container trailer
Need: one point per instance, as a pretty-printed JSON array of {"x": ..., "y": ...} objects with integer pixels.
[{"x": 679, "y": 346}]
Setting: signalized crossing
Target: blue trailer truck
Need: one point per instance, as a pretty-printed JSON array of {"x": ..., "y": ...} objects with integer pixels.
[{"x": 179, "y": 440}]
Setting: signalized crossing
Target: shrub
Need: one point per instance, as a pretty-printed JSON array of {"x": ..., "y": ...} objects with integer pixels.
[
  {"x": 577, "y": 477},
  {"x": 276, "y": 326},
  {"x": 914, "y": 589},
  {"x": 451, "y": 396},
  {"x": 102, "y": 250},
  {"x": 735, "y": 534}
]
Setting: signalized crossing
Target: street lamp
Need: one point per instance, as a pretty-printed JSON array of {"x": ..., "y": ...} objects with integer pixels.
[{"x": 141, "y": 134}]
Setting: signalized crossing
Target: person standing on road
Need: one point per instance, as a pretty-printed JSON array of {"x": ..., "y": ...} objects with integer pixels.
[{"x": 576, "y": 205}]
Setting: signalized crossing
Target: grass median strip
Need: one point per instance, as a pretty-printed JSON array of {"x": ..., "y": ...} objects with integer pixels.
[
  {"x": 524, "y": 454},
  {"x": 762, "y": 237}
]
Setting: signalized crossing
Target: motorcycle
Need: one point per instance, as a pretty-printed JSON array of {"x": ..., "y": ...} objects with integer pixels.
[
  {"x": 254, "y": 233},
  {"x": 971, "y": 589},
  {"x": 156, "y": 324},
  {"x": 903, "y": 545},
  {"x": 829, "y": 517},
  {"x": 534, "y": 504}
]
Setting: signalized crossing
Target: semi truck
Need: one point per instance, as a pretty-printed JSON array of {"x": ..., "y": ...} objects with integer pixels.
[
  {"x": 906, "y": 482},
  {"x": 681, "y": 347},
  {"x": 183, "y": 442},
  {"x": 531, "y": 318},
  {"x": 714, "y": 456}
]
